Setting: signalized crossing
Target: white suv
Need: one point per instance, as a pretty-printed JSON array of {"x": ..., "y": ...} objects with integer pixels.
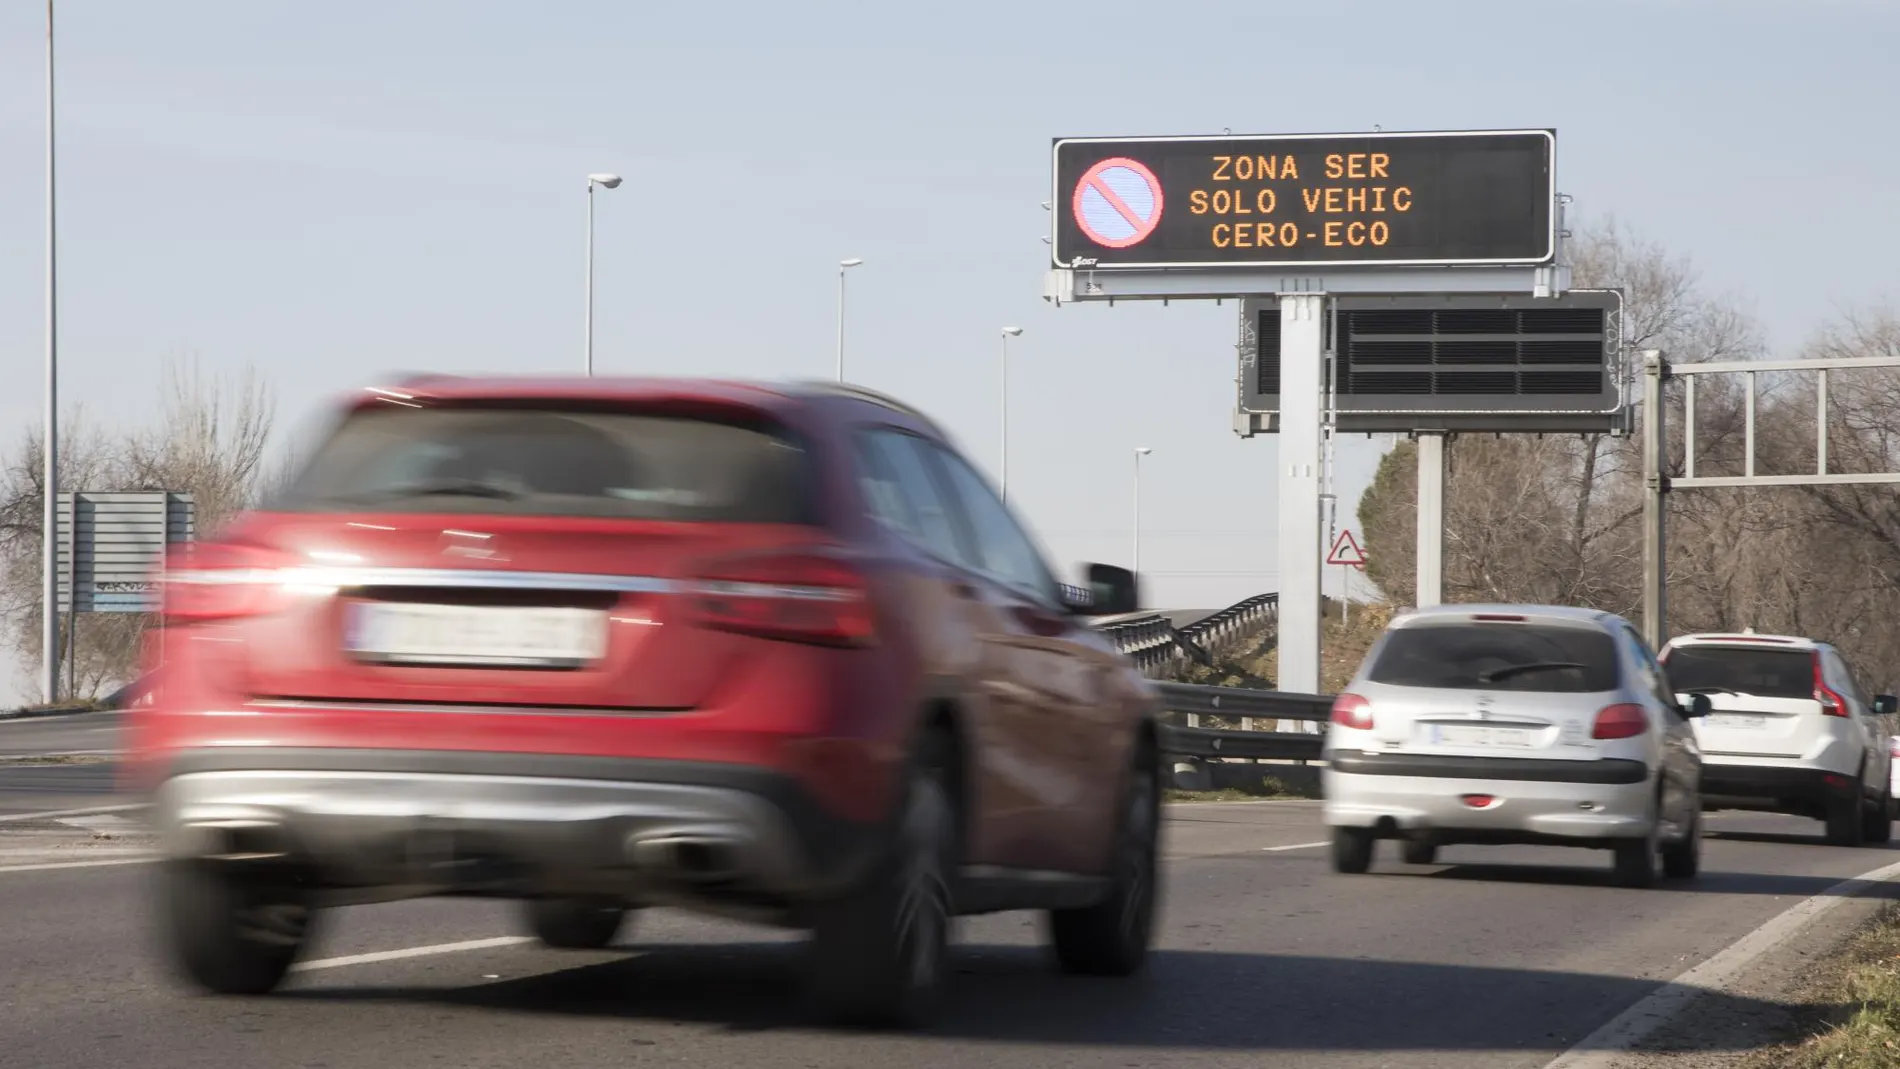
[{"x": 1789, "y": 731}]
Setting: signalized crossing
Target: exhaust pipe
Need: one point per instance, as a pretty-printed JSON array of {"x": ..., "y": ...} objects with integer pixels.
[{"x": 700, "y": 858}]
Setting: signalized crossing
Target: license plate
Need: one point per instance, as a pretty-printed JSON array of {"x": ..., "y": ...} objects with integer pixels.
[
  {"x": 1483, "y": 735},
  {"x": 476, "y": 635},
  {"x": 1736, "y": 720}
]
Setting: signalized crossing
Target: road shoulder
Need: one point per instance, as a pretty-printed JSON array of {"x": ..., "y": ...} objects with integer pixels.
[{"x": 1778, "y": 1001}]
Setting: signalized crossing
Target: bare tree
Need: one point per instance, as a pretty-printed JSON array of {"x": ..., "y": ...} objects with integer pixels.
[{"x": 209, "y": 440}]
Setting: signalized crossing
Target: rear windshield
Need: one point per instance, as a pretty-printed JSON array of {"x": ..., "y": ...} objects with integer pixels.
[
  {"x": 1764, "y": 673},
  {"x": 1485, "y": 656},
  {"x": 556, "y": 462}
]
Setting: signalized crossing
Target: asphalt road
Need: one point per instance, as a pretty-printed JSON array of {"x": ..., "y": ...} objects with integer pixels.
[
  {"x": 1502, "y": 958},
  {"x": 57, "y": 762}
]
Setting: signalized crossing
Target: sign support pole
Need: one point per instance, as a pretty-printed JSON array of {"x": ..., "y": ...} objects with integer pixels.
[
  {"x": 1431, "y": 519},
  {"x": 1302, "y": 369},
  {"x": 1655, "y": 579}
]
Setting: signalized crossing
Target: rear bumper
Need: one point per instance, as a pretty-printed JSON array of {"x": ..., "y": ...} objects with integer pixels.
[
  {"x": 1398, "y": 795},
  {"x": 367, "y": 824},
  {"x": 1771, "y": 786}
]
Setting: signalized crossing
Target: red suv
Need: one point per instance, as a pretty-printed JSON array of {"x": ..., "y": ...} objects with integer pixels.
[{"x": 776, "y": 653}]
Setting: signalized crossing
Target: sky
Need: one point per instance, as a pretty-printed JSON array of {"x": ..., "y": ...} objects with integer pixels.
[{"x": 335, "y": 192}]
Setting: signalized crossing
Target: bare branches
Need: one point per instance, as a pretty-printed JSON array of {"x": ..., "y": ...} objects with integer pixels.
[{"x": 210, "y": 440}]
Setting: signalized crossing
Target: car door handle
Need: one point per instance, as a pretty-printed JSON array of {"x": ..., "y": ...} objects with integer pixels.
[{"x": 964, "y": 589}]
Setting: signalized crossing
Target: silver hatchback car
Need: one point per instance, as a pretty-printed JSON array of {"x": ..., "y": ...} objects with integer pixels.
[{"x": 1515, "y": 724}]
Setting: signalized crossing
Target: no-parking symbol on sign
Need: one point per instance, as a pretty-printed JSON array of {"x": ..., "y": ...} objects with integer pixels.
[{"x": 1118, "y": 202}]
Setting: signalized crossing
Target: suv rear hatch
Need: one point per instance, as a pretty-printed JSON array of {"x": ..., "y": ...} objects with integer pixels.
[
  {"x": 1765, "y": 698},
  {"x": 1497, "y": 685},
  {"x": 524, "y": 554}
]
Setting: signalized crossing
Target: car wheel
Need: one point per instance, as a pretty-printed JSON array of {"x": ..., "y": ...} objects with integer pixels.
[
  {"x": 229, "y": 935},
  {"x": 1683, "y": 860},
  {"x": 879, "y": 952},
  {"x": 1352, "y": 850},
  {"x": 573, "y": 923},
  {"x": 1419, "y": 852},
  {"x": 1844, "y": 823},
  {"x": 1635, "y": 862},
  {"x": 1877, "y": 822},
  {"x": 1111, "y": 938}
]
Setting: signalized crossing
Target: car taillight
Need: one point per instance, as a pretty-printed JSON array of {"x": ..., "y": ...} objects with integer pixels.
[
  {"x": 1893, "y": 745},
  {"x": 213, "y": 581},
  {"x": 798, "y": 596},
  {"x": 1352, "y": 711},
  {"x": 1620, "y": 722},
  {"x": 1832, "y": 704}
]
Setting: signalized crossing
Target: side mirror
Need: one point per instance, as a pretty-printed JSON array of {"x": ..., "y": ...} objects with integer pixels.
[
  {"x": 1699, "y": 706},
  {"x": 1886, "y": 705},
  {"x": 1112, "y": 591}
]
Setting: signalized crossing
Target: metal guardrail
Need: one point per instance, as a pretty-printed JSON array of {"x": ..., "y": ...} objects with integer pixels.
[
  {"x": 1190, "y": 702},
  {"x": 1153, "y": 642}
]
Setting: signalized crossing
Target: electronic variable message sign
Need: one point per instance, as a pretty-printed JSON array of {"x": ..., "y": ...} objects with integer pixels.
[
  {"x": 1455, "y": 363},
  {"x": 1378, "y": 199}
]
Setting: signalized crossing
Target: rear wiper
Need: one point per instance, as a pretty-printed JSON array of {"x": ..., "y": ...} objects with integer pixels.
[
  {"x": 1709, "y": 690},
  {"x": 447, "y": 488},
  {"x": 1497, "y": 674}
]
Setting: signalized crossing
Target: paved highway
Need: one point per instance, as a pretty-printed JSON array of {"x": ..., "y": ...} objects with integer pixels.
[
  {"x": 1500, "y": 958},
  {"x": 57, "y": 762}
]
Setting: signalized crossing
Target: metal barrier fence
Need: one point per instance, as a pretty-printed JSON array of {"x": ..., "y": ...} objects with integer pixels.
[
  {"x": 1153, "y": 643},
  {"x": 1186, "y": 703}
]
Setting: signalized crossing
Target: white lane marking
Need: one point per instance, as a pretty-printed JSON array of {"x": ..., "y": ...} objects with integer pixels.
[
  {"x": 101, "y": 863},
  {"x": 1603, "y": 1047},
  {"x": 1295, "y": 846},
  {"x": 412, "y": 952},
  {"x": 55, "y": 814}
]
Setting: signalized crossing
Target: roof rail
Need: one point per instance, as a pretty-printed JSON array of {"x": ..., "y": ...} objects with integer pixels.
[{"x": 865, "y": 393}]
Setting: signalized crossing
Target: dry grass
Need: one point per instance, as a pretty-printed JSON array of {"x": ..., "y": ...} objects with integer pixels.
[{"x": 1856, "y": 1005}]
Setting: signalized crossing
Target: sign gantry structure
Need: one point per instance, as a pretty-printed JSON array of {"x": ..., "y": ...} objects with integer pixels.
[{"x": 1408, "y": 282}]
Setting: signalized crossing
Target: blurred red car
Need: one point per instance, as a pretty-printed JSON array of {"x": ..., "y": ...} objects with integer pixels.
[{"x": 773, "y": 653}]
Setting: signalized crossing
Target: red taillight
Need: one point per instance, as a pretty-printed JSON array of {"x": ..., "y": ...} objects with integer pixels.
[
  {"x": 1620, "y": 722},
  {"x": 1893, "y": 745},
  {"x": 797, "y": 596},
  {"x": 1832, "y": 704},
  {"x": 1478, "y": 801},
  {"x": 214, "y": 581},
  {"x": 1352, "y": 711}
]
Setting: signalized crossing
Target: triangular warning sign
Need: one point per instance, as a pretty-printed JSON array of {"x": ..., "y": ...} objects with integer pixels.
[{"x": 1346, "y": 551}]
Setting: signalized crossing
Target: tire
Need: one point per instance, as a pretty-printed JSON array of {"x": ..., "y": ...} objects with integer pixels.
[
  {"x": 574, "y": 924},
  {"x": 880, "y": 951},
  {"x": 230, "y": 936},
  {"x": 1352, "y": 850},
  {"x": 1419, "y": 852},
  {"x": 1877, "y": 822},
  {"x": 1683, "y": 860},
  {"x": 1844, "y": 822},
  {"x": 1112, "y": 937},
  {"x": 1635, "y": 863}
]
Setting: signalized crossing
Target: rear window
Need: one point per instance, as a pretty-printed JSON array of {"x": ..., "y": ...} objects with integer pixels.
[
  {"x": 1484, "y": 656},
  {"x": 1764, "y": 673},
  {"x": 557, "y": 462}
]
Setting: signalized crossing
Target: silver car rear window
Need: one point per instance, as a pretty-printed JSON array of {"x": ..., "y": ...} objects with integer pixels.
[
  {"x": 1764, "y": 673},
  {"x": 1498, "y": 656}
]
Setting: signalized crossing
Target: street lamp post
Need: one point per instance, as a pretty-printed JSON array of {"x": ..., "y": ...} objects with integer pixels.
[
  {"x": 49, "y": 519},
  {"x": 605, "y": 181},
  {"x": 843, "y": 266},
  {"x": 1140, "y": 451},
  {"x": 1008, "y": 333}
]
